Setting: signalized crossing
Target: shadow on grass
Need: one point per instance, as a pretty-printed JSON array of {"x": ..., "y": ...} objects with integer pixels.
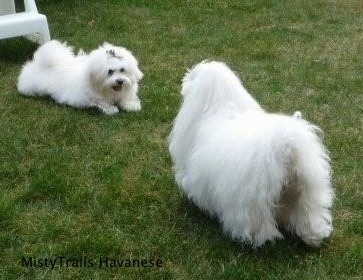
[
  {"x": 16, "y": 50},
  {"x": 209, "y": 229},
  {"x": 48, "y": 101}
]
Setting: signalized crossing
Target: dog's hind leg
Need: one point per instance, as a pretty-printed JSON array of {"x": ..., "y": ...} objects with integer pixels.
[
  {"x": 252, "y": 218},
  {"x": 255, "y": 226}
]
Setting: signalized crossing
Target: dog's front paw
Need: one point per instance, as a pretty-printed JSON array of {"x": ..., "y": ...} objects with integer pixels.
[
  {"x": 110, "y": 110},
  {"x": 105, "y": 107},
  {"x": 131, "y": 106}
]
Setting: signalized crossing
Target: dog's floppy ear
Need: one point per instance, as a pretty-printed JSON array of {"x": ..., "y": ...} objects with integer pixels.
[{"x": 139, "y": 74}]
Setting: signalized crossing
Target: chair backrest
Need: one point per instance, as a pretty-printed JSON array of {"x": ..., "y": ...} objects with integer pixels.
[{"x": 7, "y": 7}]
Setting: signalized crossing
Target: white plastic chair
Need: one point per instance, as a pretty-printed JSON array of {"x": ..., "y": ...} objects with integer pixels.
[{"x": 28, "y": 23}]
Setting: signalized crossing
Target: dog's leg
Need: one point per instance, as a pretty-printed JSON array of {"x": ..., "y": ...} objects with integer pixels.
[
  {"x": 130, "y": 102},
  {"x": 105, "y": 107},
  {"x": 252, "y": 225},
  {"x": 267, "y": 232},
  {"x": 252, "y": 218}
]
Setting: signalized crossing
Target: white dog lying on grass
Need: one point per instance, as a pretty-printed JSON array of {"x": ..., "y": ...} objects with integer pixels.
[
  {"x": 254, "y": 170},
  {"x": 107, "y": 78}
]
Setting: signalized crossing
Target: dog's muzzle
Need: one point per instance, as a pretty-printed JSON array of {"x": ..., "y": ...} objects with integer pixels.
[{"x": 118, "y": 85}]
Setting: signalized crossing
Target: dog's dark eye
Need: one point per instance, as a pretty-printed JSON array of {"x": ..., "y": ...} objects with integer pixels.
[
  {"x": 110, "y": 72},
  {"x": 122, "y": 70}
]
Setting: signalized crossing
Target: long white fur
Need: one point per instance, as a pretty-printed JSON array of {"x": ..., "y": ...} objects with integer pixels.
[
  {"x": 82, "y": 80},
  {"x": 254, "y": 170}
]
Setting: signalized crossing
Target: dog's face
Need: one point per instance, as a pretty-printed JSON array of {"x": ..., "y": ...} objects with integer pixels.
[
  {"x": 119, "y": 74},
  {"x": 114, "y": 69}
]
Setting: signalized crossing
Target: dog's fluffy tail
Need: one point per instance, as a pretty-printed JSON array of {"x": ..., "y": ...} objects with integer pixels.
[
  {"x": 292, "y": 167},
  {"x": 47, "y": 57},
  {"x": 307, "y": 197},
  {"x": 53, "y": 53}
]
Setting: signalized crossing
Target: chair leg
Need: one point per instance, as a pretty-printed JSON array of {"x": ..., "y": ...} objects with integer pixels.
[{"x": 44, "y": 33}]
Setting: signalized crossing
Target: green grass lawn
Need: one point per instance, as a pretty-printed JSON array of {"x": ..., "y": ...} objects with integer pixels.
[{"x": 79, "y": 184}]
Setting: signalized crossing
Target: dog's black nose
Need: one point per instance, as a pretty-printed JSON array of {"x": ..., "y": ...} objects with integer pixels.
[{"x": 119, "y": 82}]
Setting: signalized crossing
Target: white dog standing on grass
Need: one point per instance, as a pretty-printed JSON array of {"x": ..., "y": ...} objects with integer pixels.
[
  {"x": 107, "y": 78},
  {"x": 253, "y": 170}
]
